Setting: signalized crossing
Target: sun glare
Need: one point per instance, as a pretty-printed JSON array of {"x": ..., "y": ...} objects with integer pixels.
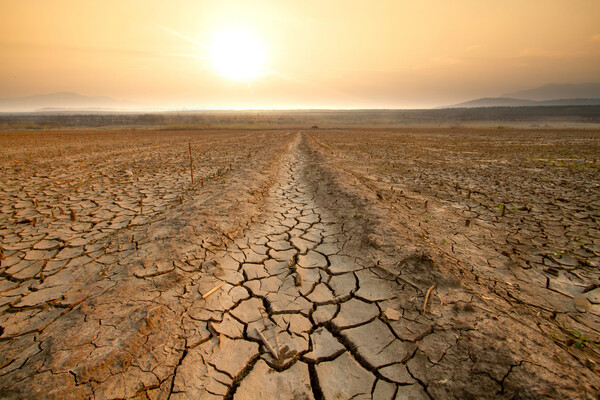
[{"x": 237, "y": 54}]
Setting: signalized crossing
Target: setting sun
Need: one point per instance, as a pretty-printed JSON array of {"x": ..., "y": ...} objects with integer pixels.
[{"x": 237, "y": 54}]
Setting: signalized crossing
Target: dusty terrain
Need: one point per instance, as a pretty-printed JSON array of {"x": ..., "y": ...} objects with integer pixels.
[{"x": 385, "y": 264}]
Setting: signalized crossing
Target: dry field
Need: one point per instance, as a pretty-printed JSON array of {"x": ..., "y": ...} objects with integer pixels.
[{"x": 335, "y": 264}]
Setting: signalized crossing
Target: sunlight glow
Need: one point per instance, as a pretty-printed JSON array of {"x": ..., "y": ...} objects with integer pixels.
[{"x": 237, "y": 55}]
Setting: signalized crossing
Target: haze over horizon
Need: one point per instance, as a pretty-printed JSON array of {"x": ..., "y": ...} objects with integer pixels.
[{"x": 266, "y": 54}]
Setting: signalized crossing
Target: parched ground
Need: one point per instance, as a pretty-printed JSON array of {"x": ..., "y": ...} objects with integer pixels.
[
  {"x": 300, "y": 265},
  {"x": 511, "y": 217}
]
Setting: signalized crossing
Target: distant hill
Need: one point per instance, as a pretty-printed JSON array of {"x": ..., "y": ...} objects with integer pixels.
[
  {"x": 552, "y": 91},
  {"x": 570, "y": 102},
  {"x": 553, "y": 94},
  {"x": 512, "y": 102},
  {"x": 494, "y": 102},
  {"x": 61, "y": 101}
]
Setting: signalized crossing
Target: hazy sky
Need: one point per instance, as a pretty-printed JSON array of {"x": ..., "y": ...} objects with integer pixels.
[{"x": 315, "y": 53}]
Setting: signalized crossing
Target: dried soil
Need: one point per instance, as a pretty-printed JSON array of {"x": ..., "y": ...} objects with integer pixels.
[{"x": 310, "y": 265}]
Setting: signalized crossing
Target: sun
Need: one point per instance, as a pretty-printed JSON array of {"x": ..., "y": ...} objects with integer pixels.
[{"x": 237, "y": 54}]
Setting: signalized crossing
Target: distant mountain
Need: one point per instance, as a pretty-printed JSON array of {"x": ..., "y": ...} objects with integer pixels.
[
  {"x": 553, "y": 94},
  {"x": 589, "y": 90},
  {"x": 570, "y": 102},
  {"x": 494, "y": 102},
  {"x": 511, "y": 102},
  {"x": 61, "y": 101}
]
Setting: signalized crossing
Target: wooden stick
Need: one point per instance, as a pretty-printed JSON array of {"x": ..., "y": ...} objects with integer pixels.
[
  {"x": 276, "y": 341},
  {"x": 427, "y": 297},
  {"x": 271, "y": 349},
  {"x": 213, "y": 290},
  {"x": 191, "y": 163}
]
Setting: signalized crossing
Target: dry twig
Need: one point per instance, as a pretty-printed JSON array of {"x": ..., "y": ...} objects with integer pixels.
[
  {"x": 271, "y": 349},
  {"x": 427, "y": 297},
  {"x": 191, "y": 163},
  {"x": 211, "y": 291},
  {"x": 276, "y": 341}
]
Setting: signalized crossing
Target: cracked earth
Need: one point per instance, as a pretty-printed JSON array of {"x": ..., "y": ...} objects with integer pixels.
[{"x": 295, "y": 303}]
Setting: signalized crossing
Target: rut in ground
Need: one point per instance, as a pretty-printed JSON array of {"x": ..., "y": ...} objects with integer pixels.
[{"x": 298, "y": 315}]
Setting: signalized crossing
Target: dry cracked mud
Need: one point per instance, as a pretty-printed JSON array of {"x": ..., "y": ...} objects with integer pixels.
[{"x": 297, "y": 302}]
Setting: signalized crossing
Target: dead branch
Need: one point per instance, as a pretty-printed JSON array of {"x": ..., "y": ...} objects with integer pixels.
[
  {"x": 427, "y": 297},
  {"x": 211, "y": 291},
  {"x": 271, "y": 349}
]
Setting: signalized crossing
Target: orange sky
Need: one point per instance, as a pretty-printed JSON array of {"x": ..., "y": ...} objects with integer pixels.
[{"x": 334, "y": 54}]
